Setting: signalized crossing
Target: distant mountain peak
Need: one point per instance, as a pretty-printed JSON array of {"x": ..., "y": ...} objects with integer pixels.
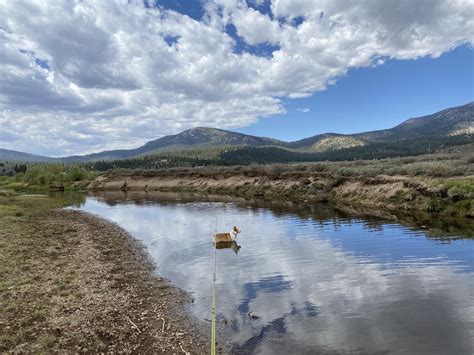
[
  {"x": 449, "y": 122},
  {"x": 200, "y": 129}
]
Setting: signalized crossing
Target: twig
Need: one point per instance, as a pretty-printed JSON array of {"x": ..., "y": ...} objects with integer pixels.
[
  {"x": 163, "y": 327},
  {"x": 184, "y": 351},
  {"x": 134, "y": 326}
]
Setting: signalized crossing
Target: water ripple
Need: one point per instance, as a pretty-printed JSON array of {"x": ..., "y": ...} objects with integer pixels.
[{"x": 333, "y": 284}]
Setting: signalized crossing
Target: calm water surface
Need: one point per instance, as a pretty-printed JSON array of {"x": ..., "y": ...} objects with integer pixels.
[{"x": 319, "y": 282}]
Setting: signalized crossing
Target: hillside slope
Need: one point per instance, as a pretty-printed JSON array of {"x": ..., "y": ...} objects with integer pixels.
[
  {"x": 203, "y": 136},
  {"x": 200, "y": 137},
  {"x": 12, "y": 155},
  {"x": 450, "y": 122}
]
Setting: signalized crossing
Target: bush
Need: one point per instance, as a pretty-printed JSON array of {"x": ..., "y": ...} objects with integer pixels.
[
  {"x": 19, "y": 177},
  {"x": 435, "y": 204},
  {"x": 45, "y": 174},
  {"x": 76, "y": 174},
  {"x": 42, "y": 179}
]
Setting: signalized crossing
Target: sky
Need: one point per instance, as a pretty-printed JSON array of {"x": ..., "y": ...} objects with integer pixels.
[{"x": 84, "y": 76}]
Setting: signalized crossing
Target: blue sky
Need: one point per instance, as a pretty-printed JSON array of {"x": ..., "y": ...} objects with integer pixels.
[
  {"x": 365, "y": 99},
  {"x": 94, "y": 75},
  {"x": 191, "y": 8},
  {"x": 377, "y": 97}
]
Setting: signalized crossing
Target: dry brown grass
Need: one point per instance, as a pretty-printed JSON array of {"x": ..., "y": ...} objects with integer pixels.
[{"x": 434, "y": 165}]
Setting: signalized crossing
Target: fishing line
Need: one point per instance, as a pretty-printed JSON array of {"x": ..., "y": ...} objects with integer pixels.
[{"x": 213, "y": 308}]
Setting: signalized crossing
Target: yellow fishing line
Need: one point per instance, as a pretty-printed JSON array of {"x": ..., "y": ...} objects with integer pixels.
[{"x": 213, "y": 312}]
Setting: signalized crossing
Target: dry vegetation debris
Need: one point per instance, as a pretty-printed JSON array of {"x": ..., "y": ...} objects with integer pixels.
[{"x": 71, "y": 282}]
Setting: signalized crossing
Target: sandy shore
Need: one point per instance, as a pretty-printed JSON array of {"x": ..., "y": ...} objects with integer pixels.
[{"x": 73, "y": 282}]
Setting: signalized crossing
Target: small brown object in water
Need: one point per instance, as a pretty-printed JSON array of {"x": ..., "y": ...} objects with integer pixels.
[{"x": 226, "y": 237}]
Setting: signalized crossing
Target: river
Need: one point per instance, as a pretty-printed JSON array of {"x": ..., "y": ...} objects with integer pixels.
[{"x": 307, "y": 279}]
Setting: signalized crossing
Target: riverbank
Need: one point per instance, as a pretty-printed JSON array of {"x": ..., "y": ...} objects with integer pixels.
[
  {"x": 448, "y": 197},
  {"x": 72, "y": 282}
]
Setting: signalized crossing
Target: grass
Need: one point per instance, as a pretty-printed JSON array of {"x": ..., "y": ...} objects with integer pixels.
[
  {"x": 464, "y": 187},
  {"x": 440, "y": 165},
  {"x": 31, "y": 253},
  {"x": 44, "y": 176},
  {"x": 68, "y": 281},
  {"x": 440, "y": 183}
]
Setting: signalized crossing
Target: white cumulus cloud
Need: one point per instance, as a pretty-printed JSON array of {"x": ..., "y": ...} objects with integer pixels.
[{"x": 81, "y": 76}]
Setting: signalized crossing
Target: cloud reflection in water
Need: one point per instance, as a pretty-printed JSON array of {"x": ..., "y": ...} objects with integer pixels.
[{"x": 333, "y": 285}]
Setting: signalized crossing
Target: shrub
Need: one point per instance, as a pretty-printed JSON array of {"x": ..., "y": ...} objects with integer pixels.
[
  {"x": 42, "y": 179},
  {"x": 435, "y": 204},
  {"x": 76, "y": 174},
  {"x": 318, "y": 167}
]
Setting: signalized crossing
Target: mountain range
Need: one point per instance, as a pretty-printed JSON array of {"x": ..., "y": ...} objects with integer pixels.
[{"x": 451, "y": 122}]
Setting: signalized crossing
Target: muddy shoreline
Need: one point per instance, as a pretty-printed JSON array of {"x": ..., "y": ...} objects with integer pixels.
[{"x": 94, "y": 289}]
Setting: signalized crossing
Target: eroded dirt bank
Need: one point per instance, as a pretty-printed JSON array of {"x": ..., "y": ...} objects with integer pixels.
[
  {"x": 388, "y": 193},
  {"x": 75, "y": 283}
]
